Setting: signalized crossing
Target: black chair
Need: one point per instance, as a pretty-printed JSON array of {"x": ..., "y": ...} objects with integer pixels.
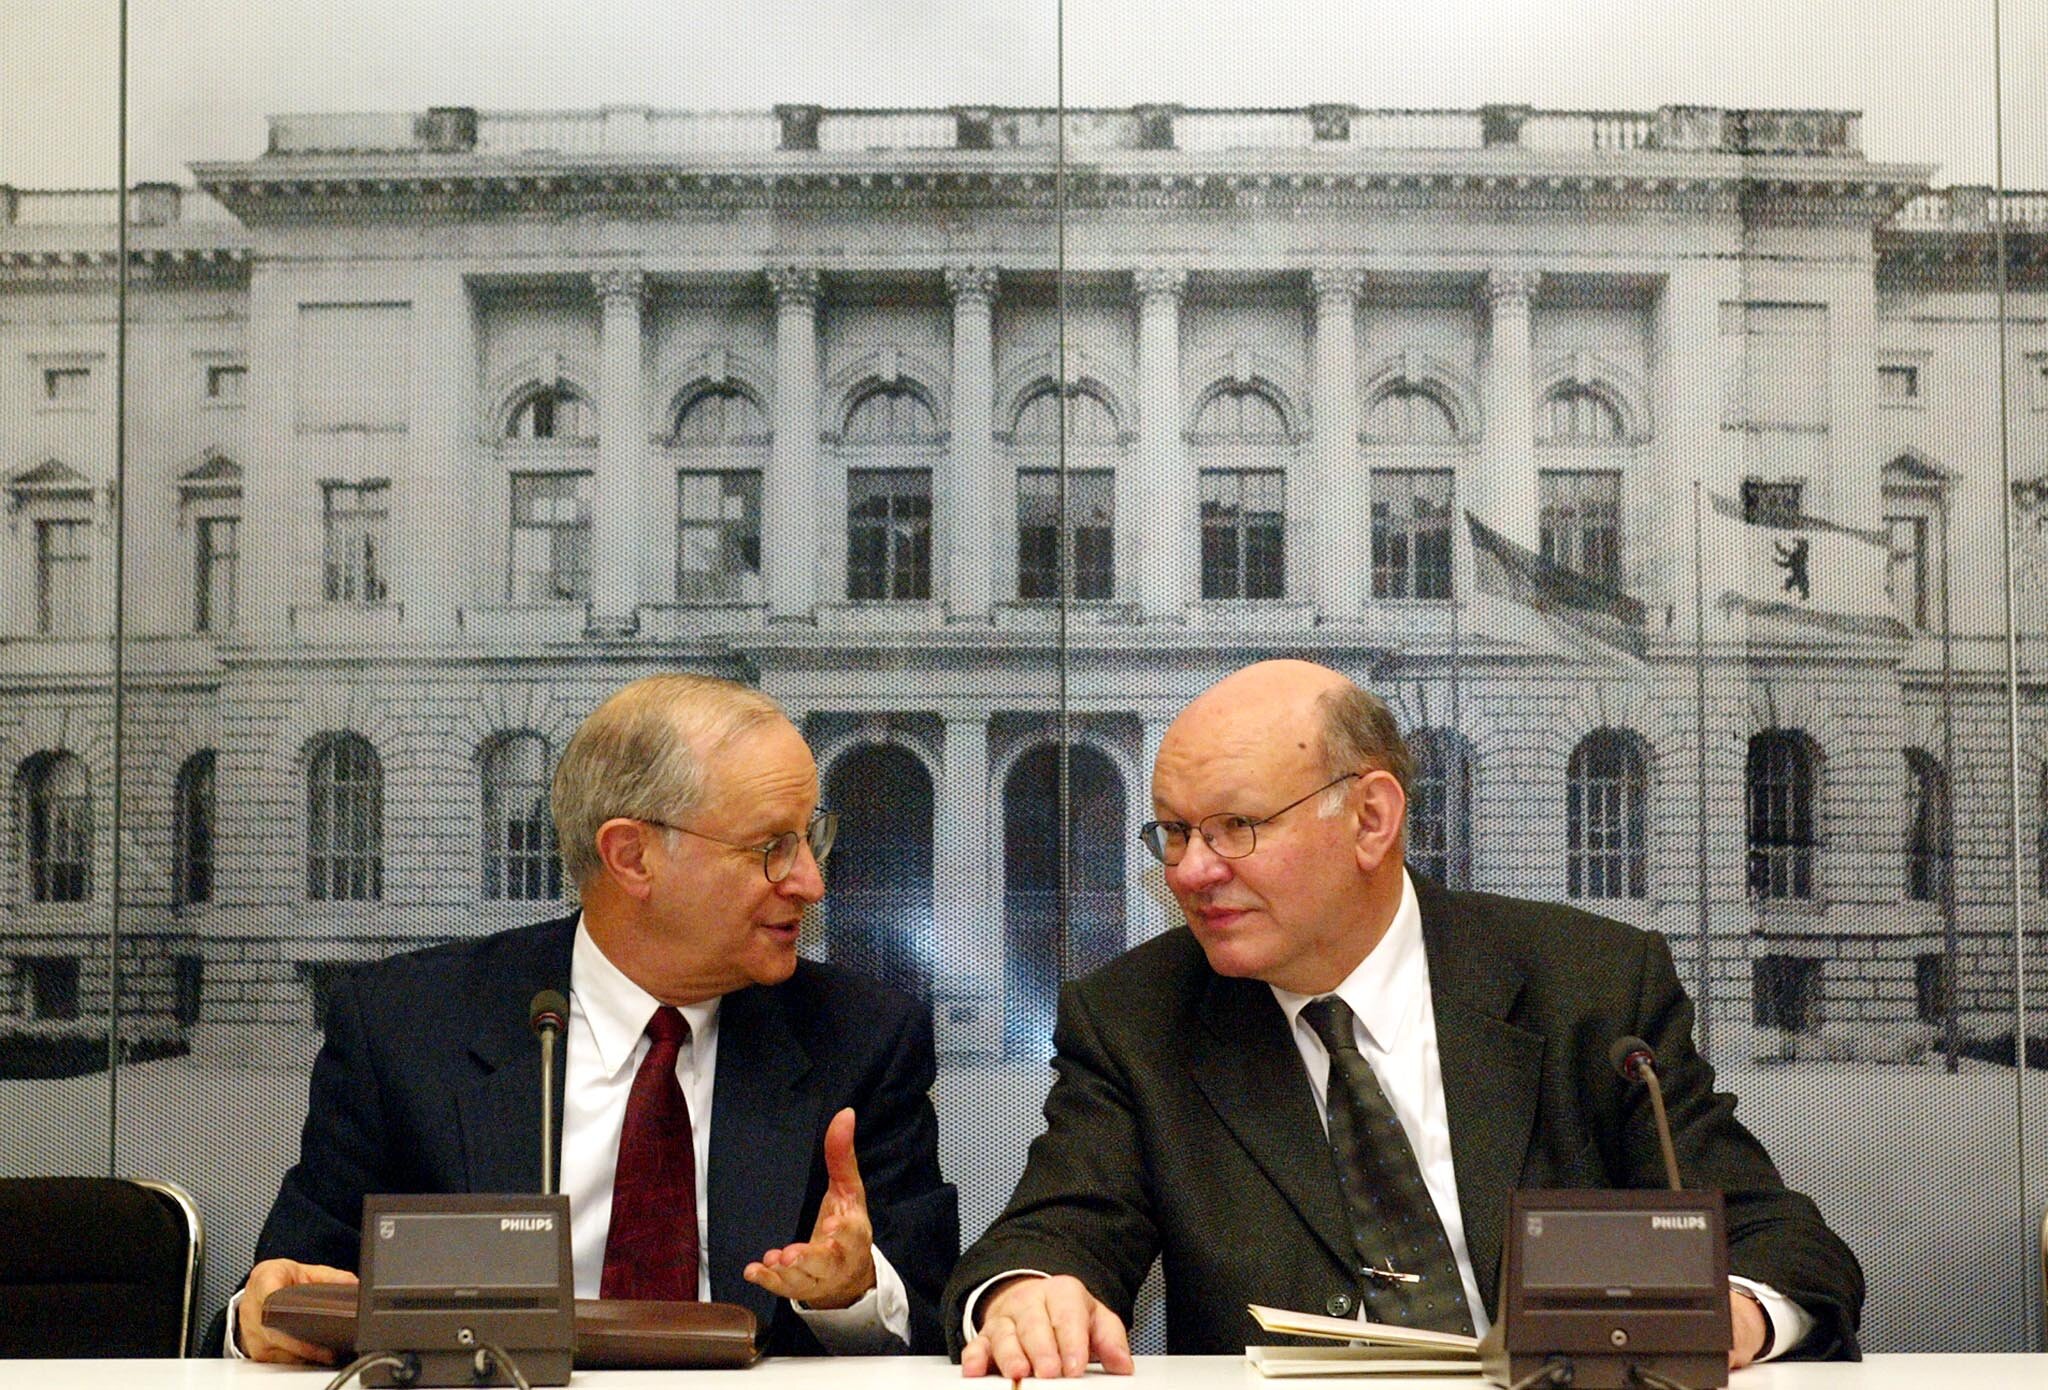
[{"x": 97, "y": 1267}]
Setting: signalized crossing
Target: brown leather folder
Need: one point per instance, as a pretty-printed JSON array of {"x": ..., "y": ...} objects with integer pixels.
[{"x": 611, "y": 1333}]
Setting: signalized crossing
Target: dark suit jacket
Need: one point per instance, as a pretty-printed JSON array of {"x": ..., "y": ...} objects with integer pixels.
[
  {"x": 429, "y": 1081},
  {"x": 1181, "y": 1124}
]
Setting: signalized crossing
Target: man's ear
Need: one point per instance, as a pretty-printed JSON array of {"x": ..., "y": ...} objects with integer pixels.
[
  {"x": 1380, "y": 807},
  {"x": 622, "y": 847}
]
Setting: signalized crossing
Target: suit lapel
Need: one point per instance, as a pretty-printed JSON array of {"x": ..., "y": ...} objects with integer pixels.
[
  {"x": 1492, "y": 1070},
  {"x": 1251, "y": 1074},
  {"x": 499, "y": 1109},
  {"x": 764, "y": 1122}
]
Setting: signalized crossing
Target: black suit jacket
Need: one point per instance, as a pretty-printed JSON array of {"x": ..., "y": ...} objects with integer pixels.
[
  {"x": 1181, "y": 1125},
  {"x": 429, "y": 1081}
]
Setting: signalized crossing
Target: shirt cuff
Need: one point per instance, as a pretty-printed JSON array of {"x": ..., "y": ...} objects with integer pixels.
[
  {"x": 879, "y": 1321},
  {"x": 1788, "y": 1322},
  {"x": 231, "y": 1344},
  {"x": 969, "y": 1324}
]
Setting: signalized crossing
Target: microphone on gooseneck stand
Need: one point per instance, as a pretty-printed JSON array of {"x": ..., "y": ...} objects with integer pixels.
[
  {"x": 548, "y": 1015},
  {"x": 1632, "y": 1057}
]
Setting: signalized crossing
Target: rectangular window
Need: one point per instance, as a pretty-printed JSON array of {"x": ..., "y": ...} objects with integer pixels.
[
  {"x": 1244, "y": 533},
  {"x": 50, "y": 984},
  {"x": 718, "y": 536},
  {"x": 358, "y": 530},
  {"x": 215, "y": 573},
  {"x": 550, "y": 538},
  {"x": 1090, "y": 525},
  {"x": 67, "y": 385},
  {"x": 1786, "y": 990},
  {"x": 1906, "y": 572},
  {"x": 1897, "y": 385},
  {"x": 190, "y": 988},
  {"x": 1767, "y": 503},
  {"x": 1581, "y": 523},
  {"x": 225, "y": 385},
  {"x": 889, "y": 533},
  {"x": 1411, "y": 533},
  {"x": 64, "y": 578}
]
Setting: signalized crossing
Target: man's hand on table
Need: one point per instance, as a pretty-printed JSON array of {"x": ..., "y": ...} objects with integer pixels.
[
  {"x": 1047, "y": 1328},
  {"x": 260, "y": 1343}
]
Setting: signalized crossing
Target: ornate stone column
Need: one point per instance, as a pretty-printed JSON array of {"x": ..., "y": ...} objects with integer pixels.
[
  {"x": 969, "y": 524},
  {"x": 793, "y": 534},
  {"x": 1506, "y": 490},
  {"x": 1338, "y": 510},
  {"x": 435, "y": 572},
  {"x": 617, "y": 496},
  {"x": 1164, "y": 489}
]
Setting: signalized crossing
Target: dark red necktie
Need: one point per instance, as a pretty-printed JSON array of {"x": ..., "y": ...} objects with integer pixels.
[{"x": 651, "y": 1251}]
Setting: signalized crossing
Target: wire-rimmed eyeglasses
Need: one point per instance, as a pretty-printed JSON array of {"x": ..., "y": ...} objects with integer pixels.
[
  {"x": 778, "y": 856},
  {"x": 1228, "y": 834}
]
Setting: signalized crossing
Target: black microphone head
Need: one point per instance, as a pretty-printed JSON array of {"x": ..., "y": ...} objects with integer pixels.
[
  {"x": 1629, "y": 1055},
  {"x": 548, "y": 1010}
]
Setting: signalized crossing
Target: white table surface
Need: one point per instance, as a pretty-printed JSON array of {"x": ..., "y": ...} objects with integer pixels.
[{"x": 1929, "y": 1372}]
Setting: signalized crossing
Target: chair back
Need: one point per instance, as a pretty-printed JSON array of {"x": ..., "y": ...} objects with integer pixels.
[{"x": 97, "y": 1267}]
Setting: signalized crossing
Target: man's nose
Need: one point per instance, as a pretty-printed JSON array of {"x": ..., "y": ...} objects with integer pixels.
[
  {"x": 1200, "y": 867},
  {"x": 805, "y": 880}
]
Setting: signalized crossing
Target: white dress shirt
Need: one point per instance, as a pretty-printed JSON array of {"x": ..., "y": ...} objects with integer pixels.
[{"x": 1390, "y": 997}]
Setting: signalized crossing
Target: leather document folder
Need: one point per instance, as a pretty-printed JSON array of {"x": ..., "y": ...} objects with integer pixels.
[{"x": 611, "y": 1333}]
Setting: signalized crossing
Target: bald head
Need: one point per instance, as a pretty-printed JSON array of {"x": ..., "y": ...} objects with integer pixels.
[{"x": 1303, "y": 713}]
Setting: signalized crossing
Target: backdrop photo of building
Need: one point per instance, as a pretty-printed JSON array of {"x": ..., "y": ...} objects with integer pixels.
[{"x": 1679, "y": 476}]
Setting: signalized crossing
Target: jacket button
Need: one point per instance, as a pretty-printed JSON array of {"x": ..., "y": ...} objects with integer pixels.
[{"x": 1341, "y": 1305}]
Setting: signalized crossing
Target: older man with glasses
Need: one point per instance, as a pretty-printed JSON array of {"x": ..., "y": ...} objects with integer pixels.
[
  {"x": 1320, "y": 1093},
  {"x": 716, "y": 1087}
]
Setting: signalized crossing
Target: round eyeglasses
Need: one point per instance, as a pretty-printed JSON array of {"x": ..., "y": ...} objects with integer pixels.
[
  {"x": 1228, "y": 834},
  {"x": 778, "y": 856}
]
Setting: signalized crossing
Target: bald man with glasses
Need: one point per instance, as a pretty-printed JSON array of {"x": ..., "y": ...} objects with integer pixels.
[
  {"x": 736, "y": 1123},
  {"x": 1319, "y": 1094}
]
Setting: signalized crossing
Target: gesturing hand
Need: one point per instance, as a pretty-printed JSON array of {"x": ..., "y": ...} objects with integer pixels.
[{"x": 836, "y": 1266}]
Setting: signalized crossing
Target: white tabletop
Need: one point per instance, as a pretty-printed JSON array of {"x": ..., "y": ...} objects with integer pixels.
[{"x": 1932, "y": 1372}]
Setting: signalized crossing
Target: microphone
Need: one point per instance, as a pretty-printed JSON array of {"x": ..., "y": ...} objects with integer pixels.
[
  {"x": 547, "y": 1015},
  {"x": 1632, "y": 1057}
]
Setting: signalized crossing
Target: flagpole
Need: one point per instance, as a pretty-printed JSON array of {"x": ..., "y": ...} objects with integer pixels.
[
  {"x": 1950, "y": 946},
  {"x": 1699, "y": 686}
]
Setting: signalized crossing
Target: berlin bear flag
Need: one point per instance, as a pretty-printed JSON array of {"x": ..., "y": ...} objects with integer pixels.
[{"x": 1808, "y": 570}]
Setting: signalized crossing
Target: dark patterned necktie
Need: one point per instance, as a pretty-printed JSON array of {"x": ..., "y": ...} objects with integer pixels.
[
  {"x": 651, "y": 1249},
  {"x": 1394, "y": 1223}
]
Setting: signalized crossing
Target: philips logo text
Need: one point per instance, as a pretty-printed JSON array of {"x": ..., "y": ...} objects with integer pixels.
[
  {"x": 1678, "y": 1223},
  {"x": 526, "y": 1223}
]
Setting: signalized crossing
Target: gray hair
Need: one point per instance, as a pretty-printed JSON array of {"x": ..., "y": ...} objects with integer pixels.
[
  {"x": 643, "y": 753},
  {"x": 1359, "y": 732}
]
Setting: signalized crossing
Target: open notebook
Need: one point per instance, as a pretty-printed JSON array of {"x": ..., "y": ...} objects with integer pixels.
[{"x": 1371, "y": 1348}]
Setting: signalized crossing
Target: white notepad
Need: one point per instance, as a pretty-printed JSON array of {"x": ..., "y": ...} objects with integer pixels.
[{"x": 1373, "y": 1348}]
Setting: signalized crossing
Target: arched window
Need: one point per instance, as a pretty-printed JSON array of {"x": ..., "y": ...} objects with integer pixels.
[
  {"x": 344, "y": 820},
  {"x": 1241, "y": 413},
  {"x": 878, "y": 918},
  {"x": 54, "y": 793},
  {"x": 1577, "y": 415},
  {"x": 1607, "y": 817},
  {"x": 1440, "y": 806},
  {"x": 1410, "y": 414},
  {"x": 1784, "y": 822},
  {"x": 552, "y": 412},
  {"x": 896, "y": 414},
  {"x": 1089, "y": 418},
  {"x": 721, "y": 415},
  {"x": 520, "y": 862},
  {"x": 1084, "y": 897},
  {"x": 192, "y": 814},
  {"x": 1929, "y": 827}
]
